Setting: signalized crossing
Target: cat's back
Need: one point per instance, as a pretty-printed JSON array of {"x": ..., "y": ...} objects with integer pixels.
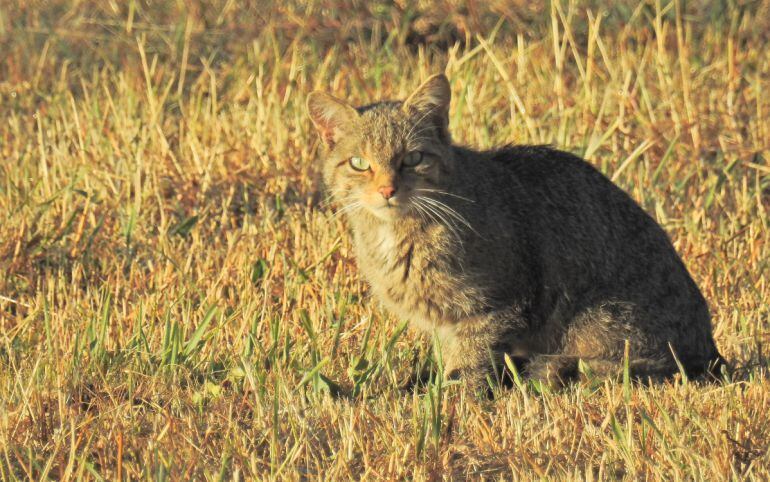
[
  {"x": 584, "y": 231},
  {"x": 540, "y": 168},
  {"x": 565, "y": 190}
]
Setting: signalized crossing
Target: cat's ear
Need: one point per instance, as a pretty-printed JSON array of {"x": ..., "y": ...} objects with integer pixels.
[
  {"x": 332, "y": 117},
  {"x": 431, "y": 99}
]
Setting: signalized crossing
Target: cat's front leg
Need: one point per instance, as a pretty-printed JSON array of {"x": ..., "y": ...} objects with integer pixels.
[
  {"x": 471, "y": 348},
  {"x": 464, "y": 358}
]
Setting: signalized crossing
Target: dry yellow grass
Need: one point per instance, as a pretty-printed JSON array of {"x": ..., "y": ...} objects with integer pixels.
[{"x": 176, "y": 301}]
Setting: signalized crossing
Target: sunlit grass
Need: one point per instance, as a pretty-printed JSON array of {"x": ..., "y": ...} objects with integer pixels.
[{"x": 178, "y": 301}]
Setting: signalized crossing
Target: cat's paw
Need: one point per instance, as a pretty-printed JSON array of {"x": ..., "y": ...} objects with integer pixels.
[
  {"x": 554, "y": 371},
  {"x": 473, "y": 379}
]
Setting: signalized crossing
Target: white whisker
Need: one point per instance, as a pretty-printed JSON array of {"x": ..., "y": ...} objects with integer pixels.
[
  {"x": 449, "y": 211},
  {"x": 438, "y": 191},
  {"x": 347, "y": 209},
  {"x": 419, "y": 210},
  {"x": 439, "y": 216}
]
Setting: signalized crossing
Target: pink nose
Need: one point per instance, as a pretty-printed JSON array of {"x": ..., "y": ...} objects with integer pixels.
[{"x": 387, "y": 191}]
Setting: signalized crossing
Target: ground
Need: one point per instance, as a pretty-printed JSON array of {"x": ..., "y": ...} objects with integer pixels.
[{"x": 178, "y": 300}]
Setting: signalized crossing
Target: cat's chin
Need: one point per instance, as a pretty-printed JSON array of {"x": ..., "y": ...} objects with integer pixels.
[{"x": 386, "y": 213}]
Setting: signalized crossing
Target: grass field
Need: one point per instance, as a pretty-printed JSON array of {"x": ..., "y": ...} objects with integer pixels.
[{"x": 177, "y": 300}]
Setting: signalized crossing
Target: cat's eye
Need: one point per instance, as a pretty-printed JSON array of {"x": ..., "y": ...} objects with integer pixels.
[
  {"x": 413, "y": 158},
  {"x": 359, "y": 164}
]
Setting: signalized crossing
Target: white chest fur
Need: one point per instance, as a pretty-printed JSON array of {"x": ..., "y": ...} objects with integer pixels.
[
  {"x": 385, "y": 240},
  {"x": 412, "y": 273}
]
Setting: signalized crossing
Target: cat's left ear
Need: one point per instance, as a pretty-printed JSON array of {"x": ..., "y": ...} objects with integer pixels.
[
  {"x": 431, "y": 99},
  {"x": 331, "y": 116}
]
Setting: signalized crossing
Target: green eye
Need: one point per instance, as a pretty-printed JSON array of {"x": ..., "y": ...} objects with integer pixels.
[
  {"x": 413, "y": 158},
  {"x": 359, "y": 164}
]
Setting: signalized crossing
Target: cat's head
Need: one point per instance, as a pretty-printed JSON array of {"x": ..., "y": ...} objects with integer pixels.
[{"x": 383, "y": 157}]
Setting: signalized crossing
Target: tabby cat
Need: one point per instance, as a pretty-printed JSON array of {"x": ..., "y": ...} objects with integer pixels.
[{"x": 523, "y": 250}]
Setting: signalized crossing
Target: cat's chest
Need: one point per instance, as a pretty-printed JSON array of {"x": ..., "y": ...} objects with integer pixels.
[
  {"x": 388, "y": 258},
  {"x": 415, "y": 275}
]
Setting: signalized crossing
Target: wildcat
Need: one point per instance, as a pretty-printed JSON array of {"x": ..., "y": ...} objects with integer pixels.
[{"x": 523, "y": 250}]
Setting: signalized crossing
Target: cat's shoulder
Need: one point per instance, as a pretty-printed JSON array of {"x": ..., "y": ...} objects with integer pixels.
[
  {"x": 534, "y": 155},
  {"x": 539, "y": 161}
]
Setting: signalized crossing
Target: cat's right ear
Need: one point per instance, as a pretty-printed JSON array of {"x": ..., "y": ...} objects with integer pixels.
[
  {"x": 431, "y": 100},
  {"x": 332, "y": 117}
]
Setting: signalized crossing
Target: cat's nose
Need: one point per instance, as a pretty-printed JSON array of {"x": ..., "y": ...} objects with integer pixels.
[{"x": 387, "y": 191}]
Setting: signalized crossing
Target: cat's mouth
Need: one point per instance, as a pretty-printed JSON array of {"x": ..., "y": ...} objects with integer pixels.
[{"x": 390, "y": 209}]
